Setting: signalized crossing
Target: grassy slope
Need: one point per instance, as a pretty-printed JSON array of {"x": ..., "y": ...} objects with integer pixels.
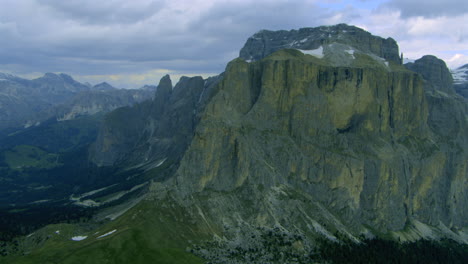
[
  {"x": 148, "y": 233},
  {"x": 30, "y": 156}
]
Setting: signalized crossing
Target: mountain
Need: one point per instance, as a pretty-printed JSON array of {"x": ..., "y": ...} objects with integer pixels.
[
  {"x": 22, "y": 99},
  {"x": 25, "y": 103},
  {"x": 149, "y": 87},
  {"x": 158, "y": 130},
  {"x": 44, "y": 150},
  {"x": 99, "y": 100},
  {"x": 435, "y": 73},
  {"x": 292, "y": 153},
  {"x": 103, "y": 87},
  {"x": 266, "y": 42},
  {"x": 460, "y": 80}
]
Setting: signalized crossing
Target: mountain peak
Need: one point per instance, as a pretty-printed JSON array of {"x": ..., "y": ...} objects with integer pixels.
[
  {"x": 66, "y": 77},
  {"x": 104, "y": 86},
  {"x": 434, "y": 71},
  {"x": 58, "y": 77},
  {"x": 265, "y": 42},
  {"x": 50, "y": 75},
  {"x": 163, "y": 93},
  {"x": 165, "y": 85}
]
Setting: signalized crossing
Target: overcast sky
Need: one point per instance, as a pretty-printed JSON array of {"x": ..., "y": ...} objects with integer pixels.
[{"x": 129, "y": 43}]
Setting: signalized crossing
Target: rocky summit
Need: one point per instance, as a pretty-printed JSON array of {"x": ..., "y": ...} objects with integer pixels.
[
  {"x": 266, "y": 42},
  {"x": 311, "y": 135}
]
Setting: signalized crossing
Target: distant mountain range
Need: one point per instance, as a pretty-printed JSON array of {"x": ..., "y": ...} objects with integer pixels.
[{"x": 25, "y": 103}]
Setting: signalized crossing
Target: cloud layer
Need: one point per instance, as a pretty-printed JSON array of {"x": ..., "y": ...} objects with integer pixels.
[{"x": 129, "y": 43}]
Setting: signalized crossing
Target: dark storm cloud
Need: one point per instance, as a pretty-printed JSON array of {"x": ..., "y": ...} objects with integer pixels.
[
  {"x": 101, "y": 37},
  {"x": 104, "y": 12},
  {"x": 430, "y": 8}
]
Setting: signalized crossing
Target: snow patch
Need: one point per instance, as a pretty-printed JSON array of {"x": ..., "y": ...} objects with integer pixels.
[
  {"x": 79, "y": 197},
  {"x": 292, "y": 44},
  {"x": 161, "y": 162},
  {"x": 108, "y": 233},
  {"x": 39, "y": 201},
  {"x": 351, "y": 52},
  {"x": 87, "y": 203},
  {"x": 303, "y": 40},
  {"x": 29, "y": 124},
  {"x": 380, "y": 60},
  {"x": 316, "y": 52},
  {"x": 459, "y": 75},
  {"x": 79, "y": 238}
]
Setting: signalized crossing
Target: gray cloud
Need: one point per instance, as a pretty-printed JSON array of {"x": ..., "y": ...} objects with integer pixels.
[
  {"x": 429, "y": 8},
  {"x": 112, "y": 37},
  {"x": 104, "y": 12},
  {"x": 120, "y": 36}
]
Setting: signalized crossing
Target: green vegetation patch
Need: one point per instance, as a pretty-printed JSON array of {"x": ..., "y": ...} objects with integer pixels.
[
  {"x": 151, "y": 232},
  {"x": 24, "y": 156}
]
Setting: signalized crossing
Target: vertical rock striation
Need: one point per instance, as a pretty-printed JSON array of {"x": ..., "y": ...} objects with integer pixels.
[
  {"x": 156, "y": 130},
  {"x": 357, "y": 141}
]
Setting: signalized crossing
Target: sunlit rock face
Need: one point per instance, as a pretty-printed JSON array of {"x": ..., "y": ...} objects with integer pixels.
[
  {"x": 366, "y": 141},
  {"x": 318, "y": 135}
]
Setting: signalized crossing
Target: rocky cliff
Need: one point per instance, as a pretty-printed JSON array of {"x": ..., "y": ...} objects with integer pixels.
[
  {"x": 266, "y": 42},
  {"x": 355, "y": 141},
  {"x": 154, "y": 131},
  {"x": 377, "y": 148}
]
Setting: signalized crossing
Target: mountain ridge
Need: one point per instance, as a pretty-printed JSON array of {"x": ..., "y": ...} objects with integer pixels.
[{"x": 29, "y": 102}]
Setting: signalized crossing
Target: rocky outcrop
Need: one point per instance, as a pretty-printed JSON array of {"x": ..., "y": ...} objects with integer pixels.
[
  {"x": 435, "y": 72},
  {"x": 154, "y": 131},
  {"x": 266, "y": 42},
  {"x": 348, "y": 142},
  {"x": 356, "y": 142}
]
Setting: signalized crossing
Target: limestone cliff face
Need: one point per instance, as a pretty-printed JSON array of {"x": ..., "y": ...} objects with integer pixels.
[
  {"x": 266, "y": 42},
  {"x": 356, "y": 141}
]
